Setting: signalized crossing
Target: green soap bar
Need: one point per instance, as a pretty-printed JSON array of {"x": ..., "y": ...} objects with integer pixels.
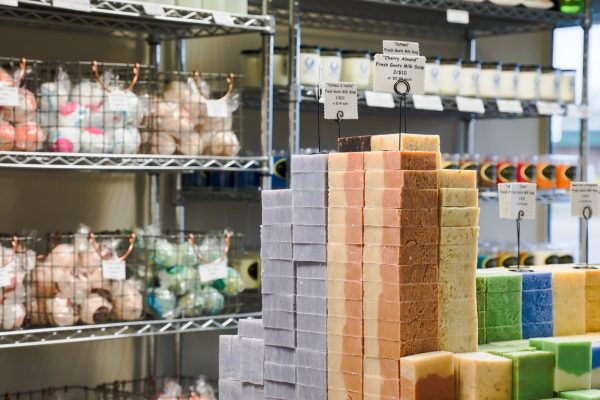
[
  {"x": 589, "y": 394},
  {"x": 480, "y": 284},
  {"x": 480, "y": 301},
  {"x": 536, "y": 342},
  {"x": 503, "y": 301},
  {"x": 502, "y": 318},
  {"x": 511, "y": 346},
  {"x": 482, "y": 337},
  {"x": 533, "y": 374},
  {"x": 481, "y": 319},
  {"x": 504, "y": 283},
  {"x": 573, "y": 361},
  {"x": 500, "y": 333}
]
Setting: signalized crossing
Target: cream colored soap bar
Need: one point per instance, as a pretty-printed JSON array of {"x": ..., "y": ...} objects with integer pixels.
[
  {"x": 346, "y": 161},
  {"x": 343, "y": 344},
  {"x": 345, "y": 381},
  {"x": 459, "y": 197},
  {"x": 458, "y": 254},
  {"x": 340, "y": 362},
  {"x": 381, "y": 388},
  {"x": 459, "y": 216},
  {"x": 345, "y": 308},
  {"x": 349, "y": 290},
  {"x": 427, "y": 376},
  {"x": 414, "y": 142},
  {"x": 346, "y": 179},
  {"x": 386, "y": 368},
  {"x": 348, "y": 234},
  {"x": 344, "y": 271},
  {"x": 390, "y": 142},
  {"x": 345, "y": 216},
  {"x": 457, "y": 178},
  {"x": 459, "y": 235},
  {"x": 483, "y": 376},
  {"x": 467, "y": 306},
  {"x": 346, "y": 197},
  {"x": 347, "y": 253}
]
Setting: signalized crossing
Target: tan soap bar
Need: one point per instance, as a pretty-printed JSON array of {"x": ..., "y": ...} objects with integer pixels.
[
  {"x": 383, "y": 367},
  {"x": 389, "y": 142},
  {"x": 347, "y": 253},
  {"x": 415, "y": 142},
  {"x": 466, "y": 306},
  {"x": 400, "y": 273},
  {"x": 427, "y": 376},
  {"x": 351, "y": 290},
  {"x": 345, "y": 380},
  {"x": 346, "y": 197},
  {"x": 399, "y": 312},
  {"x": 459, "y": 235},
  {"x": 344, "y": 308},
  {"x": 458, "y": 254},
  {"x": 383, "y": 388},
  {"x": 345, "y": 216},
  {"x": 457, "y": 178},
  {"x": 459, "y": 216},
  {"x": 483, "y": 376},
  {"x": 422, "y": 254},
  {"x": 459, "y": 344},
  {"x": 401, "y": 236},
  {"x": 346, "y": 161},
  {"x": 459, "y": 325},
  {"x": 381, "y": 179},
  {"x": 345, "y": 234},
  {"x": 397, "y": 293},
  {"x": 410, "y": 160},
  {"x": 401, "y": 198},
  {"x": 459, "y": 197},
  {"x": 347, "y": 326},
  {"x": 391, "y": 330},
  {"x": 341, "y": 362},
  {"x": 351, "y": 345},
  {"x": 394, "y": 217},
  {"x": 344, "y": 271},
  {"x": 346, "y": 179}
]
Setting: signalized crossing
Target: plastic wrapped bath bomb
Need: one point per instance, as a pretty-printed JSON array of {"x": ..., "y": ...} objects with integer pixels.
[
  {"x": 60, "y": 312},
  {"x": 127, "y": 300},
  {"x": 95, "y": 309},
  {"x": 29, "y": 136},
  {"x": 192, "y": 304},
  {"x": 127, "y": 140},
  {"x": 135, "y": 109},
  {"x": 213, "y": 300},
  {"x": 221, "y": 143},
  {"x": 7, "y": 136},
  {"x": 52, "y": 96},
  {"x": 165, "y": 253},
  {"x": 70, "y": 115},
  {"x": 161, "y": 303},
  {"x": 95, "y": 140},
  {"x": 62, "y": 256},
  {"x": 178, "y": 279},
  {"x": 103, "y": 119},
  {"x": 25, "y": 111},
  {"x": 5, "y": 78},
  {"x": 13, "y": 315},
  {"x": 163, "y": 143},
  {"x": 89, "y": 94},
  {"x": 66, "y": 140},
  {"x": 186, "y": 254},
  {"x": 191, "y": 144},
  {"x": 231, "y": 285}
]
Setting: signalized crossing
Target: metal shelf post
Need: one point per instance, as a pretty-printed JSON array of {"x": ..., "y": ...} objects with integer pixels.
[
  {"x": 294, "y": 76},
  {"x": 266, "y": 101}
]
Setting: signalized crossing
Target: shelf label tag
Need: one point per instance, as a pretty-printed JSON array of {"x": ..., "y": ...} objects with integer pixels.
[
  {"x": 117, "y": 101},
  {"x": 400, "y": 48},
  {"x": 457, "y": 16},
  {"x": 9, "y": 3},
  {"x": 217, "y": 109},
  {"x": 153, "y": 9},
  {"x": 426, "y": 102},
  {"x": 340, "y": 98},
  {"x": 222, "y": 18},
  {"x": 549, "y": 108},
  {"x": 9, "y": 96},
  {"x": 575, "y": 111},
  {"x": 213, "y": 271},
  {"x": 379, "y": 99},
  {"x": 583, "y": 195},
  {"x": 515, "y": 197},
  {"x": 470, "y": 105},
  {"x": 509, "y": 106},
  {"x": 5, "y": 277},
  {"x": 390, "y": 69},
  {"x": 113, "y": 269},
  {"x": 76, "y": 5}
]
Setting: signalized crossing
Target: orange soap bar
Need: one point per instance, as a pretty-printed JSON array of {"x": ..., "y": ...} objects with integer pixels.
[
  {"x": 349, "y": 253},
  {"x": 345, "y": 308},
  {"x": 352, "y": 345},
  {"x": 346, "y": 180},
  {"x": 346, "y": 197},
  {"x": 380, "y": 348},
  {"x": 381, "y": 179},
  {"x": 344, "y": 271},
  {"x": 345, "y": 234},
  {"x": 348, "y": 326},
  {"x": 397, "y": 293},
  {"x": 422, "y": 254},
  {"x": 394, "y": 217},
  {"x": 401, "y": 236},
  {"x": 341, "y": 362},
  {"x": 394, "y": 311},
  {"x": 400, "y": 198},
  {"x": 344, "y": 380},
  {"x": 345, "y": 216},
  {"x": 346, "y": 161},
  {"x": 390, "y": 330},
  {"x": 408, "y": 160}
]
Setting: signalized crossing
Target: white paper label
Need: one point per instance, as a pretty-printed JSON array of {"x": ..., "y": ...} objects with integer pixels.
[
  {"x": 153, "y": 9},
  {"x": 457, "y": 16},
  {"x": 117, "y": 101},
  {"x": 9, "y": 96},
  {"x": 398, "y": 47},
  {"x": 426, "y": 102},
  {"x": 516, "y": 197},
  {"x": 575, "y": 111},
  {"x": 378, "y": 99},
  {"x": 549, "y": 108},
  {"x": 113, "y": 269},
  {"x": 77, "y": 5},
  {"x": 340, "y": 100},
  {"x": 583, "y": 195},
  {"x": 5, "y": 277},
  {"x": 390, "y": 69},
  {"x": 217, "y": 109},
  {"x": 222, "y": 18},
  {"x": 470, "y": 105},
  {"x": 9, "y": 3},
  {"x": 510, "y": 106},
  {"x": 213, "y": 271}
]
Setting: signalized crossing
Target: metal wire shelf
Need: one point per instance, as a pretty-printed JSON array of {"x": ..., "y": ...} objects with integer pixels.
[
  {"x": 129, "y": 19},
  {"x": 119, "y": 330}
]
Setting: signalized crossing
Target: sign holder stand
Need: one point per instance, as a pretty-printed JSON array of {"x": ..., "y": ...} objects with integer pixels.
[
  {"x": 318, "y": 96},
  {"x": 587, "y": 215},
  {"x": 518, "y": 267},
  {"x": 402, "y": 95},
  {"x": 338, "y": 121}
]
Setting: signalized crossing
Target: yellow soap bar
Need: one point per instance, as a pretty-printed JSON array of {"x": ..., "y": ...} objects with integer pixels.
[
  {"x": 415, "y": 142},
  {"x": 457, "y": 178},
  {"x": 451, "y": 197},
  {"x": 455, "y": 307},
  {"x": 483, "y": 376},
  {"x": 459, "y": 235},
  {"x": 459, "y": 216}
]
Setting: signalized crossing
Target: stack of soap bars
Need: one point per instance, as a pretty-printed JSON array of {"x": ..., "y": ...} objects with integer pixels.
[{"x": 537, "y": 309}]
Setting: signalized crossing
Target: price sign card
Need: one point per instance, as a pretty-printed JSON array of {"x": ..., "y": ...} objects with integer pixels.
[
  {"x": 457, "y": 16},
  {"x": 470, "y": 105},
  {"x": 76, "y": 5},
  {"x": 379, "y": 99},
  {"x": 426, "y": 102},
  {"x": 9, "y": 3},
  {"x": 113, "y": 269},
  {"x": 6, "y": 277},
  {"x": 217, "y": 109},
  {"x": 516, "y": 197},
  {"x": 9, "y": 96},
  {"x": 583, "y": 195},
  {"x": 391, "y": 69},
  {"x": 340, "y": 98},
  {"x": 575, "y": 111},
  {"x": 153, "y": 9},
  {"x": 117, "y": 101},
  {"x": 213, "y": 271},
  {"x": 509, "y": 106},
  {"x": 549, "y": 108},
  {"x": 398, "y": 47}
]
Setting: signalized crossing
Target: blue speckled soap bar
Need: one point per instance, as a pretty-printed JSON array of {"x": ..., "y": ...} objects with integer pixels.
[
  {"x": 537, "y": 280},
  {"x": 538, "y": 330}
]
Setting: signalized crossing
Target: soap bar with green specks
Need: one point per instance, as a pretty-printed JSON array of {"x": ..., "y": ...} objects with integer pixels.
[
  {"x": 573, "y": 360},
  {"x": 589, "y": 394},
  {"x": 533, "y": 374},
  {"x": 507, "y": 301},
  {"x": 483, "y": 376},
  {"x": 506, "y": 317},
  {"x": 504, "y": 283},
  {"x": 501, "y": 333}
]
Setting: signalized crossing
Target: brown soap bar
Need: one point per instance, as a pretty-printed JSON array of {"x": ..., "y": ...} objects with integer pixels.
[
  {"x": 381, "y": 179},
  {"x": 390, "y": 330},
  {"x": 394, "y": 311},
  {"x": 401, "y": 236},
  {"x": 401, "y": 198},
  {"x": 340, "y": 362},
  {"x": 422, "y": 254},
  {"x": 409, "y": 160},
  {"x": 354, "y": 144},
  {"x": 380, "y": 348},
  {"x": 344, "y": 271},
  {"x": 394, "y": 217},
  {"x": 400, "y": 274},
  {"x": 418, "y": 346}
]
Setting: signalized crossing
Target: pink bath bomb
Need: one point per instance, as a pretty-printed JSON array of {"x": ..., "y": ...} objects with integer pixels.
[
  {"x": 7, "y": 136},
  {"x": 63, "y": 256},
  {"x": 29, "y": 136},
  {"x": 6, "y": 79},
  {"x": 60, "y": 311},
  {"x": 13, "y": 316},
  {"x": 25, "y": 111}
]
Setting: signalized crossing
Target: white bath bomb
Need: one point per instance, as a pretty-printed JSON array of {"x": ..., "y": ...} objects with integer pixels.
[
  {"x": 65, "y": 140},
  {"x": 71, "y": 115},
  {"x": 89, "y": 94},
  {"x": 126, "y": 140},
  {"x": 52, "y": 96},
  {"x": 221, "y": 143},
  {"x": 95, "y": 140}
]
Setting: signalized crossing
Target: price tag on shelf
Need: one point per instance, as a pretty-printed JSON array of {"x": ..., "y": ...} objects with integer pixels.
[
  {"x": 5, "y": 277},
  {"x": 76, "y": 5},
  {"x": 549, "y": 108},
  {"x": 222, "y": 18},
  {"x": 156, "y": 10},
  {"x": 515, "y": 197},
  {"x": 9, "y": 96},
  {"x": 427, "y": 102},
  {"x": 217, "y": 109},
  {"x": 470, "y": 105},
  {"x": 212, "y": 271},
  {"x": 457, "y": 16},
  {"x": 379, "y": 99},
  {"x": 113, "y": 269},
  {"x": 340, "y": 96},
  {"x": 399, "y": 47},
  {"x": 9, "y": 3},
  {"x": 583, "y": 195},
  {"x": 390, "y": 69},
  {"x": 575, "y": 111},
  {"x": 117, "y": 101},
  {"x": 510, "y": 106}
]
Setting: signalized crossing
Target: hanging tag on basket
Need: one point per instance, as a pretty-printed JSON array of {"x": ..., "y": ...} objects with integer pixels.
[
  {"x": 217, "y": 109},
  {"x": 9, "y": 96},
  {"x": 213, "y": 271},
  {"x": 113, "y": 269},
  {"x": 340, "y": 96},
  {"x": 117, "y": 101},
  {"x": 517, "y": 197},
  {"x": 584, "y": 195},
  {"x": 5, "y": 277}
]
